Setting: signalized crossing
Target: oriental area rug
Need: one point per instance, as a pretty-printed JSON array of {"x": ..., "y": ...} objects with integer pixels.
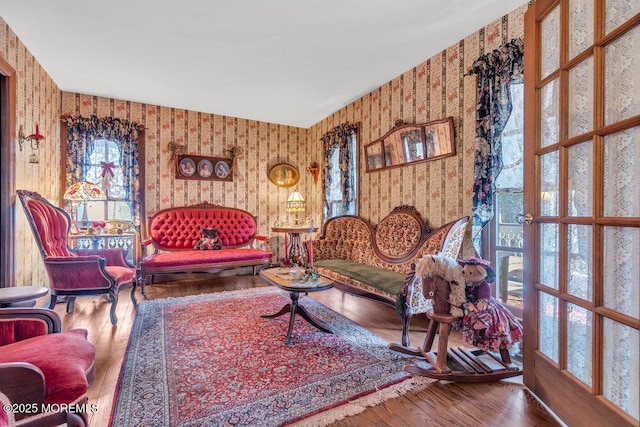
[{"x": 210, "y": 360}]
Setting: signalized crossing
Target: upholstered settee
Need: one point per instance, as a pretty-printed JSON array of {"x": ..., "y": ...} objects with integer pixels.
[
  {"x": 174, "y": 232},
  {"x": 42, "y": 367},
  {"x": 378, "y": 261}
]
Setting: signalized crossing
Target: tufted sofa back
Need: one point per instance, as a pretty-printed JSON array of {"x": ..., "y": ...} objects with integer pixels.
[{"x": 180, "y": 228}]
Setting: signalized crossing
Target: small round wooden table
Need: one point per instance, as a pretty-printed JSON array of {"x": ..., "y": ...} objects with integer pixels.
[
  {"x": 21, "y": 295},
  {"x": 296, "y": 251},
  {"x": 278, "y": 277}
]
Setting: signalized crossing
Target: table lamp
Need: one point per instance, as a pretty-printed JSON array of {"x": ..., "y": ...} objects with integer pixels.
[
  {"x": 296, "y": 204},
  {"x": 82, "y": 192}
]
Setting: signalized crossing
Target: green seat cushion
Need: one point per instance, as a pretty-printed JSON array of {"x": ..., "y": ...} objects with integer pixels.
[{"x": 384, "y": 280}]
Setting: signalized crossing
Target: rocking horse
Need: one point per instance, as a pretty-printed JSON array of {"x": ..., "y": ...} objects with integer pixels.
[{"x": 445, "y": 286}]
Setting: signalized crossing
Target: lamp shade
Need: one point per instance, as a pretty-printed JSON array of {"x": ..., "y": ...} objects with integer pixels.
[
  {"x": 295, "y": 202},
  {"x": 83, "y": 191}
]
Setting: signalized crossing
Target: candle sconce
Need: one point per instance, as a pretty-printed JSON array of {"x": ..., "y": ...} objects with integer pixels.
[{"x": 34, "y": 138}]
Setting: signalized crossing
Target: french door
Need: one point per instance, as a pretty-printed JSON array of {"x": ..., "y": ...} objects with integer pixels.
[{"x": 582, "y": 193}]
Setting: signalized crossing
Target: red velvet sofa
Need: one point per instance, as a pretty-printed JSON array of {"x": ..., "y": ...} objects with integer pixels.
[{"x": 174, "y": 232}]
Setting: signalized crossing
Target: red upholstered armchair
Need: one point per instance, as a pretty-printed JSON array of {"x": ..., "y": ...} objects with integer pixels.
[
  {"x": 72, "y": 273},
  {"x": 43, "y": 369}
]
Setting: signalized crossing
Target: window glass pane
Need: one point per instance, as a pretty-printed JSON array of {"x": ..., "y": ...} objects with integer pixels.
[
  {"x": 622, "y": 173},
  {"x": 581, "y": 98},
  {"x": 549, "y": 184},
  {"x": 550, "y": 42},
  {"x": 549, "y": 113},
  {"x": 622, "y": 270},
  {"x": 622, "y": 86},
  {"x": 509, "y": 278},
  {"x": 579, "y": 343},
  {"x": 336, "y": 200},
  {"x": 580, "y": 26},
  {"x": 548, "y": 325},
  {"x": 618, "y": 11},
  {"x": 580, "y": 187},
  {"x": 549, "y": 257},
  {"x": 579, "y": 258},
  {"x": 621, "y": 361}
]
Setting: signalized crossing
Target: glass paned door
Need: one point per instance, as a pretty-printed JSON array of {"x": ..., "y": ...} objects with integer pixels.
[{"x": 582, "y": 188}]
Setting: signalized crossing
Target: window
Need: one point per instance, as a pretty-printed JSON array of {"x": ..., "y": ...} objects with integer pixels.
[
  {"x": 342, "y": 176},
  {"x": 505, "y": 237},
  {"x": 104, "y": 167}
]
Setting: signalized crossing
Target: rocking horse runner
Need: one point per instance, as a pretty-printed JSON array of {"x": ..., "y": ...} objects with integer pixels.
[{"x": 460, "y": 297}]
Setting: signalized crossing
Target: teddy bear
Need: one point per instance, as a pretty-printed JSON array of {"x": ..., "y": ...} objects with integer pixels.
[
  {"x": 209, "y": 240},
  {"x": 487, "y": 323}
]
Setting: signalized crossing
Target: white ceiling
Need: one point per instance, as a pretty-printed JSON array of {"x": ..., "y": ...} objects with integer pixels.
[{"x": 291, "y": 62}]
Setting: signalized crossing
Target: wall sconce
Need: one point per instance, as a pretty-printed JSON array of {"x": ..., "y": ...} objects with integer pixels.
[
  {"x": 314, "y": 169},
  {"x": 34, "y": 138}
]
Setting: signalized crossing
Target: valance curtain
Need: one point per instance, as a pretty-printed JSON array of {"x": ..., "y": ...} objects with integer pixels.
[
  {"x": 494, "y": 71},
  {"x": 339, "y": 138},
  {"x": 83, "y": 131}
]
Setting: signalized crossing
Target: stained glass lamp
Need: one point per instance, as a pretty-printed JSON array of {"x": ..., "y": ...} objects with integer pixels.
[
  {"x": 296, "y": 204},
  {"x": 83, "y": 192}
]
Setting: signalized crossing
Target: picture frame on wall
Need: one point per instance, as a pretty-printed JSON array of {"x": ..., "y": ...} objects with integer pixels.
[
  {"x": 204, "y": 168},
  {"x": 284, "y": 175}
]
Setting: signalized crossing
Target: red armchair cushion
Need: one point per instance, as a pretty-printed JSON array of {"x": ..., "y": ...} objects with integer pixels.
[{"x": 64, "y": 359}]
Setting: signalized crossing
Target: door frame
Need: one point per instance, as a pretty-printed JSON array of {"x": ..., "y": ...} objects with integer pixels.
[{"x": 7, "y": 172}]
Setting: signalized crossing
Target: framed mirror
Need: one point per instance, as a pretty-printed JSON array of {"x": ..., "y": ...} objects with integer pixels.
[{"x": 410, "y": 143}]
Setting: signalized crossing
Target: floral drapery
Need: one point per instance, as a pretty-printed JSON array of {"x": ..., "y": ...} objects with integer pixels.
[
  {"x": 494, "y": 71},
  {"x": 339, "y": 138},
  {"x": 81, "y": 134}
]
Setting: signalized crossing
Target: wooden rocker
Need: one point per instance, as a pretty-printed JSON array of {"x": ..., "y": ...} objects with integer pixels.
[{"x": 457, "y": 363}]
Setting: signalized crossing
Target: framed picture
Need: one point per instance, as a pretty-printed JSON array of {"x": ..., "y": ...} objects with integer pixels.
[
  {"x": 204, "y": 168},
  {"x": 284, "y": 175},
  {"x": 408, "y": 143}
]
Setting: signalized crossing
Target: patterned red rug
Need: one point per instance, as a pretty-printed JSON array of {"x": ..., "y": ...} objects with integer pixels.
[{"x": 212, "y": 360}]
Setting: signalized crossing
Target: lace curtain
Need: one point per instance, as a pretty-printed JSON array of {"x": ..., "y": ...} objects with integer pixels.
[
  {"x": 81, "y": 134},
  {"x": 339, "y": 138},
  {"x": 494, "y": 71}
]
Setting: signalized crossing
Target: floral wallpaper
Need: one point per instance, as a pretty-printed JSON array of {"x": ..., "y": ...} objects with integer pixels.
[{"x": 441, "y": 190}]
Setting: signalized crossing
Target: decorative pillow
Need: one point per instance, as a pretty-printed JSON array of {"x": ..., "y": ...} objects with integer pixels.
[{"x": 209, "y": 240}]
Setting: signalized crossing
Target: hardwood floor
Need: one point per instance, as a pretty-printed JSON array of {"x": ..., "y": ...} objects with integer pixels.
[{"x": 434, "y": 404}]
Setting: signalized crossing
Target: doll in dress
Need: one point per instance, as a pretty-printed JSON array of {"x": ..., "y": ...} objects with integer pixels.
[{"x": 487, "y": 323}]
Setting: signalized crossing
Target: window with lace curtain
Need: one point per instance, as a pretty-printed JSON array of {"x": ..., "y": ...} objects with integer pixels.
[
  {"x": 104, "y": 168},
  {"x": 341, "y": 171}
]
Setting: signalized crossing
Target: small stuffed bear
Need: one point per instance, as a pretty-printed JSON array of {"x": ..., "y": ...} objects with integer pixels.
[
  {"x": 487, "y": 323},
  {"x": 209, "y": 240}
]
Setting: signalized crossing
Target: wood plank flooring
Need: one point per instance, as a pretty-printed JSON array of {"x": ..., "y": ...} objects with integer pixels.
[{"x": 434, "y": 404}]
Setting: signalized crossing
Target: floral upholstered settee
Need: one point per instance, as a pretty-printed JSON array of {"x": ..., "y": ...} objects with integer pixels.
[
  {"x": 378, "y": 262},
  {"x": 174, "y": 232}
]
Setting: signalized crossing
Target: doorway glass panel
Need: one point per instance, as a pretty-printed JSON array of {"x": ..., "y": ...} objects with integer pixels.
[
  {"x": 548, "y": 325},
  {"x": 579, "y": 346},
  {"x": 550, "y": 105},
  {"x": 549, "y": 184},
  {"x": 580, "y": 197},
  {"x": 580, "y": 26},
  {"x": 550, "y": 42},
  {"x": 618, "y": 11},
  {"x": 579, "y": 253},
  {"x": 620, "y": 384},
  {"x": 621, "y": 83},
  {"x": 621, "y": 173},
  {"x": 549, "y": 256},
  {"x": 622, "y": 270},
  {"x": 581, "y": 98}
]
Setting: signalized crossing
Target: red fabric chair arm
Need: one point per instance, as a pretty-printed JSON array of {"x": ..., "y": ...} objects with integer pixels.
[
  {"x": 113, "y": 256},
  {"x": 22, "y": 383},
  {"x": 79, "y": 272}
]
